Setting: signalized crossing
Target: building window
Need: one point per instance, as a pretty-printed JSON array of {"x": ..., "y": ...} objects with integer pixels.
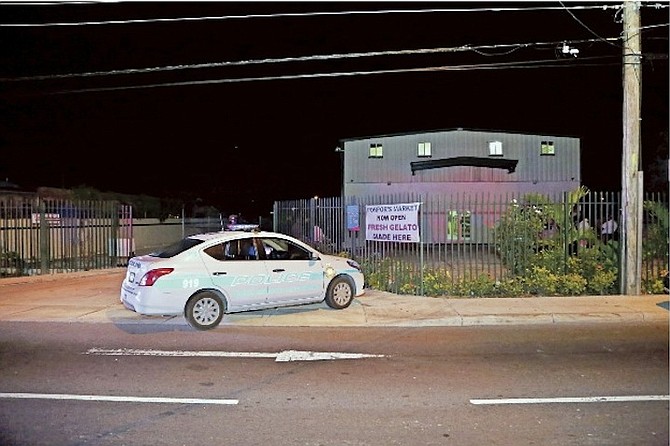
[
  {"x": 495, "y": 148},
  {"x": 424, "y": 149},
  {"x": 547, "y": 148},
  {"x": 376, "y": 151},
  {"x": 459, "y": 225}
]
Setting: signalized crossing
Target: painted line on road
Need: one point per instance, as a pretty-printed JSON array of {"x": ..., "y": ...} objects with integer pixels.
[
  {"x": 123, "y": 399},
  {"x": 297, "y": 355},
  {"x": 590, "y": 399},
  {"x": 283, "y": 356},
  {"x": 176, "y": 353}
]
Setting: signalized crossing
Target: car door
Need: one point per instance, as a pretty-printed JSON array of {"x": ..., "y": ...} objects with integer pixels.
[
  {"x": 294, "y": 276},
  {"x": 237, "y": 271}
]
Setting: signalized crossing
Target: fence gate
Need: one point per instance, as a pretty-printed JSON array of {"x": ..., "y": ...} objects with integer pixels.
[{"x": 46, "y": 236}]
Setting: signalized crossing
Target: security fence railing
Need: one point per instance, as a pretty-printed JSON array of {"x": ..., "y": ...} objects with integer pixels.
[
  {"x": 41, "y": 236},
  {"x": 469, "y": 244},
  {"x": 44, "y": 236},
  {"x": 476, "y": 244}
]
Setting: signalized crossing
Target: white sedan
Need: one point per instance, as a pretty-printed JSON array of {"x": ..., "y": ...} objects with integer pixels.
[{"x": 208, "y": 275}]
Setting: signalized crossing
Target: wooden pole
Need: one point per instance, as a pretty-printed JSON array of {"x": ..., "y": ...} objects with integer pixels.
[{"x": 631, "y": 176}]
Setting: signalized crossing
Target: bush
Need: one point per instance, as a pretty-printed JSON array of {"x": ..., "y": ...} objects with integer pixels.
[
  {"x": 541, "y": 281},
  {"x": 571, "y": 285},
  {"x": 11, "y": 264}
]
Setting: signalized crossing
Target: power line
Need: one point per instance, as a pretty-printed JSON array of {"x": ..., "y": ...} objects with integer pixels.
[
  {"x": 658, "y": 25},
  {"x": 504, "y": 65},
  {"x": 322, "y": 14},
  {"x": 480, "y": 49},
  {"x": 583, "y": 24},
  {"x": 338, "y": 56}
]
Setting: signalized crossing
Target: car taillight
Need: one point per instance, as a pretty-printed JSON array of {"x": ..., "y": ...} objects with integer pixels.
[{"x": 152, "y": 276}]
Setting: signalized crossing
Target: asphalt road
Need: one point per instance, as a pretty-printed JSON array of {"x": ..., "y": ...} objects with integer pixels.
[
  {"x": 156, "y": 384},
  {"x": 76, "y": 368}
]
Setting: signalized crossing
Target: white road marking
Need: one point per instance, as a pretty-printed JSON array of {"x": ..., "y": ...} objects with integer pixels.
[
  {"x": 187, "y": 353},
  {"x": 297, "y": 355},
  {"x": 284, "y": 356},
  {"x": 124, "y": 399},
  {"x": 590, "y": 399}
]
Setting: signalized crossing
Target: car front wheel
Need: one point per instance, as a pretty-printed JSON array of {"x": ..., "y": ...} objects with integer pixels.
[
  {"x": 340, "y": 293},
  {"x": 204, "y": 310}
]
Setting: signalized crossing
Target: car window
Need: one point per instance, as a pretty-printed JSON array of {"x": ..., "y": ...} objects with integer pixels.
[
  {"x": 241, "y": 249},
  {"x": 281, "y": 249},
  {"x": 176, "y": 248},
  {"x": 217, "y": 251}
]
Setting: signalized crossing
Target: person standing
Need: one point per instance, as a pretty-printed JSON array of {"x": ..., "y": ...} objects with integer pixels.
[{"x": 608, "y": 229}]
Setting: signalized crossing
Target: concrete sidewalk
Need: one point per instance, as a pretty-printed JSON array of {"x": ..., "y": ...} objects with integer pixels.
[{"x": 93, "y": 297}]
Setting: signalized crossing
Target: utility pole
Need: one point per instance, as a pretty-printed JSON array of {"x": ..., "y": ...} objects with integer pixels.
[{"x": 631, "y": 175}]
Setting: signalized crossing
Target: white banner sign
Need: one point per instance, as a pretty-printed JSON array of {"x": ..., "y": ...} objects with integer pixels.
[{"x": 392, "y": 222}]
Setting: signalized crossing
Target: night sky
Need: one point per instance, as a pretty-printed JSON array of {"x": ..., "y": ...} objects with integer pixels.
[{"x": 238, "y": 111}]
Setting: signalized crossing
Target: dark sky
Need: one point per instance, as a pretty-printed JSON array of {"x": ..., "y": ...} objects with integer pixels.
[{"x": 214, "y": 110}]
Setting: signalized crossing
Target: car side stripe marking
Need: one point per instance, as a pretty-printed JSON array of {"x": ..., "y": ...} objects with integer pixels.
[{"x": 112, "y": 398}]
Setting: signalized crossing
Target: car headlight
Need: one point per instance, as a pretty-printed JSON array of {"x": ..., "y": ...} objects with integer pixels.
[{"x": 354, "y": 264}]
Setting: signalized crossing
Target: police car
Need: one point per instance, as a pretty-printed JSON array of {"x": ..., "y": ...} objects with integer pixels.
[{"x": 208, "y": 275}]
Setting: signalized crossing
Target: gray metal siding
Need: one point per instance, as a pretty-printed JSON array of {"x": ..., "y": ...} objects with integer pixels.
[
  {"x": 401, "y": 150},
  {"x": 547, "y": 175}
]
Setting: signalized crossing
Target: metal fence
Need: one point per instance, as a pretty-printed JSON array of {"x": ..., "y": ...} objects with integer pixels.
[
  {"x": 470, "y": 236},
  {"x": 465, "y": 236},
  {"x": 45, "y": 236}
]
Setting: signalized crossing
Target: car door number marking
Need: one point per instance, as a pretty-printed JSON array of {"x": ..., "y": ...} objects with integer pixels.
[{"x": 190, "y": 283}]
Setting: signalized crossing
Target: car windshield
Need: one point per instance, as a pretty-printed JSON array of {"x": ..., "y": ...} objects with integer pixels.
[{"x": 176, "y": 248}]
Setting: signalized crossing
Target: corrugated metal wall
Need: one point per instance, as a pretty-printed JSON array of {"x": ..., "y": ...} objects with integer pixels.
[{"x": 400, "y": 150}]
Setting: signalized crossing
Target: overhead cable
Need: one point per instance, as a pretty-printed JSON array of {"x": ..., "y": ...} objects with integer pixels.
[
  {"x": 469, "y": 67},
  {"x": 317, "y": 14},
  {"x": 338, "y": 56},
  {"x": 583, "y": 24}
]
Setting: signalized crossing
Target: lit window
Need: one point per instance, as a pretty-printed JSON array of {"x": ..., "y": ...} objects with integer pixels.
[
  {"x": 459, "y": 225},
  {"x": 495, "y": 148},
  {"x": 547, "y": 148},
  {"x": 424, "y": 149},
  {"x": 376, "y": 151}
]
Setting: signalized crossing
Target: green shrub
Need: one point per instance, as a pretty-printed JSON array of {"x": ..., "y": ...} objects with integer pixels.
[
  {"x": 541, "y": 281},
  {"x": 603, "y": 281},
  {"x": 11, "y": 263},
  {"x": 571, "y": 284},
  {"x": 482, "y": 286},
  {"x": 392, "y": 275},
  {"x": 512, "y": 287},
  {"x": 437, "y": 282}
]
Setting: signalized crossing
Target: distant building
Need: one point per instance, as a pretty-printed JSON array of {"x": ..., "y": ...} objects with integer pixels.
[
  {"x": 12, "y": 197},
  {"x": 7, "y": 185},
  {"x": 468, "y": 164}
]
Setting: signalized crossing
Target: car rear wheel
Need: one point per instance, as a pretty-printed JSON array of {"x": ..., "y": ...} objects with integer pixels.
[
  {"x": 340, "y": 293},
  {"x": 204, "y": 310}
]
